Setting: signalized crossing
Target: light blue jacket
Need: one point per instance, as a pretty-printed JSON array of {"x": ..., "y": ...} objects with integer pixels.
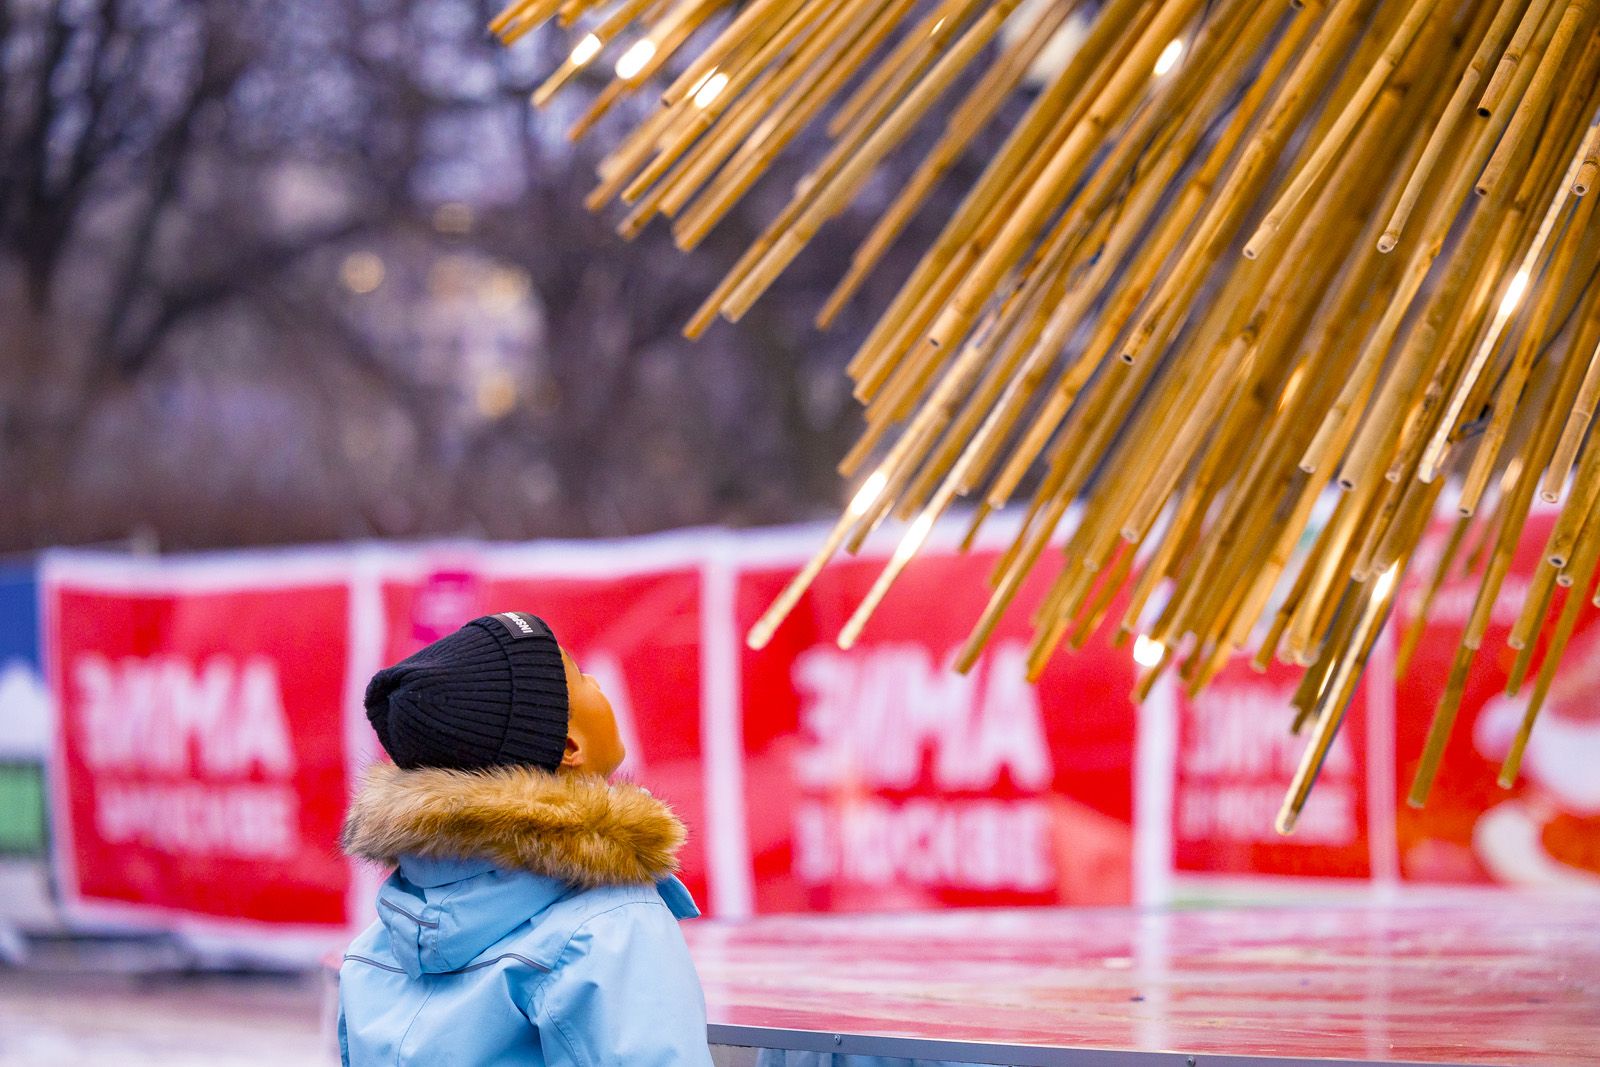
[{"x": 475, "y": 962}]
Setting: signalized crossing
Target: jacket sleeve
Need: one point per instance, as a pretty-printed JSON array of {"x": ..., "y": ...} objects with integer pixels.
[{"x": 624, "y": 991}]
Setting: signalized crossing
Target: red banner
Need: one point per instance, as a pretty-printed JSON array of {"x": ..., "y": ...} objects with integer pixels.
[
  {"x": 208, "y": 710},
  {"x": 1235, "y": 759},
  {"x": 1546, "y": 829},
  {"x": 201, "y": 757},
  {"x": 877, "y": 778},
  {"x": 637, "y": 634}
]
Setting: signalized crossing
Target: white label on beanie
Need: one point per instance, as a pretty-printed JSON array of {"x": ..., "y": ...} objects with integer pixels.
[{"x": 519, "y": 624}]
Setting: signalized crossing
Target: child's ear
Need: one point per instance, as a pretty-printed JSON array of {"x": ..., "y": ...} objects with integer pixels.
[{"x": 573, "y": 756}]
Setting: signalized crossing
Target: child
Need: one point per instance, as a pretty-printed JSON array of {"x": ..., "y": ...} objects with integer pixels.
[{"x": 532, "y": 917}]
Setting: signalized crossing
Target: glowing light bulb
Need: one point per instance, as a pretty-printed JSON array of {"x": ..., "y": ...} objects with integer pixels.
[
  {"x": 869, "y": 493},
  {"x": 1148, "y": 653},
  {"x": 710, "y": 89},
  {"x": 1513, "y": 297},
  {"x": 631, "y": 62},
  {"x": 1169, "y": 56},
  {"x": 586, "y": 50}
]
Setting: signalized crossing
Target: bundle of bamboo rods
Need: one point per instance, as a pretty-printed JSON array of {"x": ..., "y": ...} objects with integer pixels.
[{"x": 1232, "y": 260}]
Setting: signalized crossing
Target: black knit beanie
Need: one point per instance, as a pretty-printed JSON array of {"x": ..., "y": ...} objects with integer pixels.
[{"x": 492, "y": 693}]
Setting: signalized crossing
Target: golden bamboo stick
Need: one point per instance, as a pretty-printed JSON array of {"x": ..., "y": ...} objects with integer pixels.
[
  {"x": 1591, "y": 164},
  {"x": 1582, "y": 568},
  {"x": 1344, "y": 128},
  {"x": 1083, "y": 312},
  {"x": 1459, "y": 108},
  {"x": 1335, "y": 699},
  {"x": 1500, "y": 83},
  {"x": 1413, "y": 634}
]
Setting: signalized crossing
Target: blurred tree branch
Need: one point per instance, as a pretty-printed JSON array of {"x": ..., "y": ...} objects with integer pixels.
[{"x": 294, "y": 269}]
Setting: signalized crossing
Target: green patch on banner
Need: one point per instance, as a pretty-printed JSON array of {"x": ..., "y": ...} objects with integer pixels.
[{"x": 21, "y": 809}]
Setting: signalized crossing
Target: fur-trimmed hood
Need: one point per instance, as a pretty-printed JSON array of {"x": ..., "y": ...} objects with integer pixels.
[
  {"x": 510, "y": 932},
  {"x": 575, "y": 828}
]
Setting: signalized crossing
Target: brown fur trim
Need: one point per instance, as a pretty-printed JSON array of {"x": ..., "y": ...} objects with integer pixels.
[{"x": 574, "y": 827}]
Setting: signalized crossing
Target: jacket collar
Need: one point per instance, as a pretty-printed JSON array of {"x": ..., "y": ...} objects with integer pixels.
[
  {"x": 425, "y": 874},
  {"x": 576, "y": 828},
  {"x": 431, "y": 872}
]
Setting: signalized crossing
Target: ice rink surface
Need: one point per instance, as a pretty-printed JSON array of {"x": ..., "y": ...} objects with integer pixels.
[
  {"x": 1503, "y": 980},
  {"x": 1507, "y": 981},
  {"x": 228, "y": 1020}
]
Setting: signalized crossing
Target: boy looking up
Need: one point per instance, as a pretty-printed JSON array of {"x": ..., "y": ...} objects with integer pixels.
[{"x": 532, "y": 915}]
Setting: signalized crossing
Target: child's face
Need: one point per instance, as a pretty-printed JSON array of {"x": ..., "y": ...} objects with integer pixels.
[{"x": 593, "y": 745}]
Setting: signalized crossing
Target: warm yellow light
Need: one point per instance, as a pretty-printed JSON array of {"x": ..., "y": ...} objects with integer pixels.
[
  {"x": 1169, "y": 56},
  {"x": 506, "y": 288},
  {"x": 1292, "y": 387},
  {"x": 497, "y": 395},
  {"x": 1148, "y": 653},
  {"x": 586, "y": 50},
  {"x": 1513, "y": 297},
  {"x": 1385, "y": 582},
  {"x": 361, "y": 272},
  {"x": 915, "y": 536},
  {"x": 710, "y": 89},
  {"x": 868, "y": 494},
  {"x": 912, "y": 542},
  {"x": 631, "y": 62}
]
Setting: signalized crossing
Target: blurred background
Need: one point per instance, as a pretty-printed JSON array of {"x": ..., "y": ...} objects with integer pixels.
[
  {"x": 291, "y": 271},
  {"x": 309, "y": 353}
]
